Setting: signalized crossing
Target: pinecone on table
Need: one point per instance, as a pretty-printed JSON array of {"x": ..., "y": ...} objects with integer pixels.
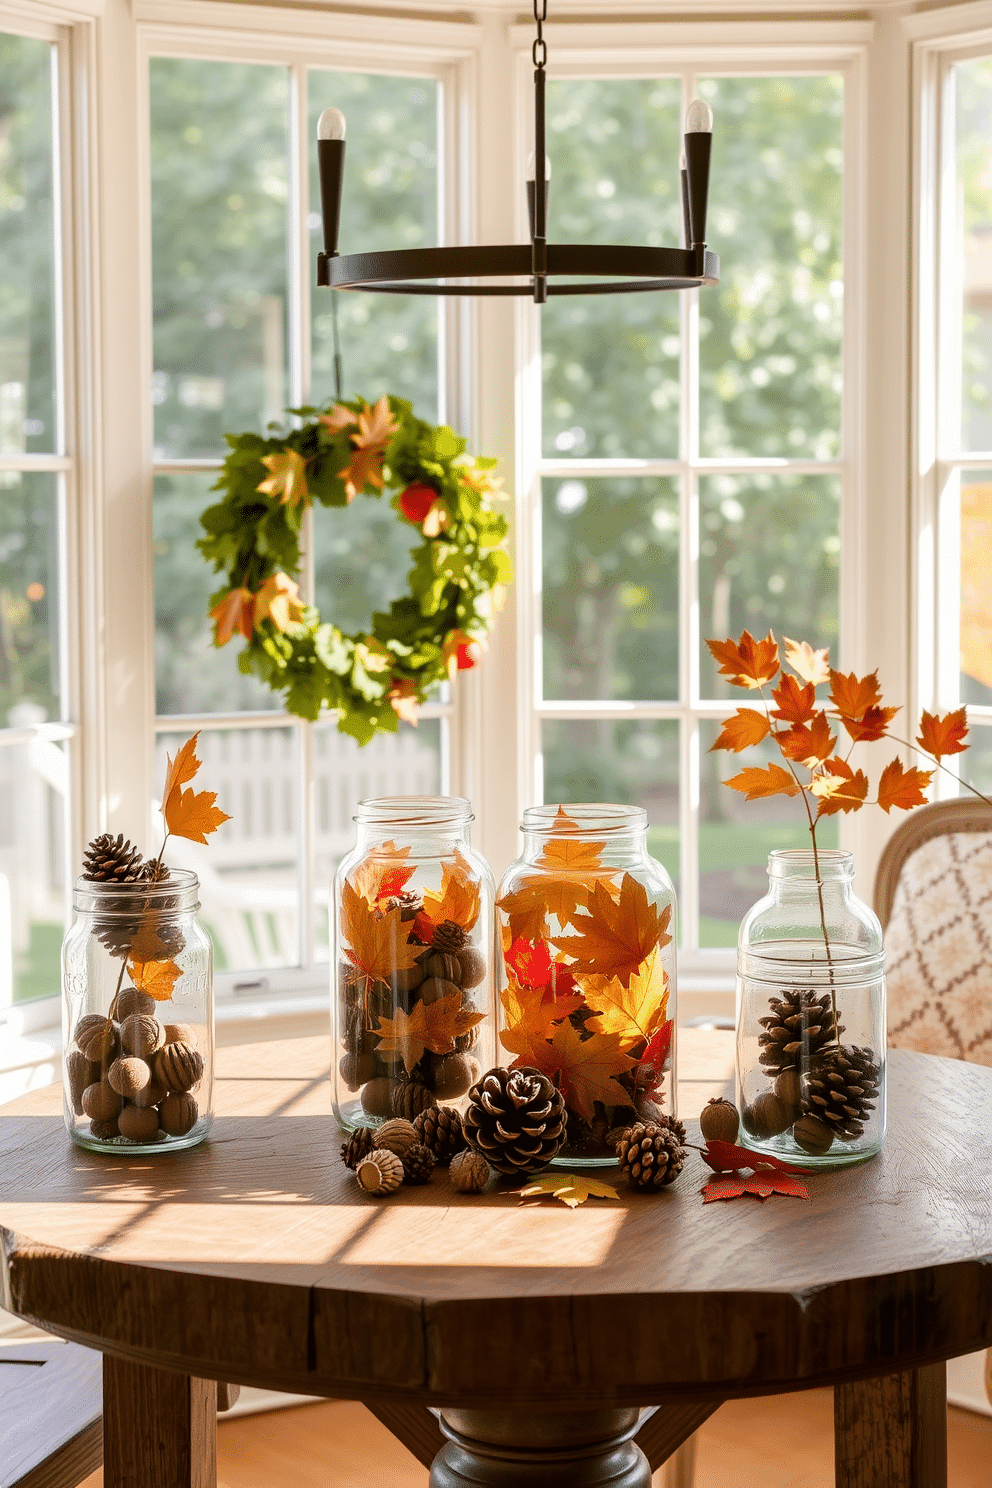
[
  {"x": 418, "y": 1164},
  {"x": 440, "y": 1129},
  {"x": 112, "y": 860},
  {"x": 650, "y": 1156},
  {"x": 841, "y": 1089},
  {"x": 448, "y": 937},
  {"x": 799, "y": 1026},
  {"x": 516, "y": 1119},
  {"x": 358, "y": 1145}
]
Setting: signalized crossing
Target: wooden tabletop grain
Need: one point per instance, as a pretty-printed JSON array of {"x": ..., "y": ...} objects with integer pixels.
[{"x": 256, "y": 1258}]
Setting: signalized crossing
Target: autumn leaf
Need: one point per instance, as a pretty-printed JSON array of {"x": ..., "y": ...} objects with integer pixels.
[
  {"x": 585, "y": 1068},
  {"x": 794, "y": 704},
  {"x": 338, "y": 418},
  {"x": 433, "y": 1026},
  {"x": 157, "y": 978},
  {"x": 376, "y": 427},
  {"x": 852, "y": 696},
  {"x": 939, "y": 736},
  {"x": 378, "y": 940},
  {"x": 654, "y": 1061},
  {"x": 404, "y": 701},
  {"x": 568, "y": 868},
  {"x": 461, "y": 652},
  {"x": 236, "y": 611},
  {"x": 458, "y": 900},
  {"x": 872, "y": 724},
  {"x": 181, "y": 770},
  {"x": 533, "y": 968},
  {"x": 726, "y": 1157},
  {"x": 747, "y": 727},
  {"x": 572, "y": 1188},
  {"x": 187, "y": 813},
  {"x": 808, "y": 665},
  {"x": 527, "y": 910},
  {"x": 288, "y": 479},
  {"x": 383, "y": 874},
  {"x": 747, "y": 662},
  {"x": 809, "y": 743},
  {"x": 616, "y": 935},
  {"x": 761, "y": 1185},
  {"x": 528, "y": 1019},
  {"x": 636, "y": 1012},
  {"x": 278, "y": 600},
  {"x": 839, "y": 788},
  {"x": 901, "y": 787},
  {"x": 772, "y": 781}
]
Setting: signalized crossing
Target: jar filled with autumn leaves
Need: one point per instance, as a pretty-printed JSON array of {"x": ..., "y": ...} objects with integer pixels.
[
  {"x": 412, "y": 988},
  {"x": 586, "y": 922}
]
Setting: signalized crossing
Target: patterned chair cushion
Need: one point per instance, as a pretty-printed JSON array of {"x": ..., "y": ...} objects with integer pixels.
[{"x": 939, "y": 949}]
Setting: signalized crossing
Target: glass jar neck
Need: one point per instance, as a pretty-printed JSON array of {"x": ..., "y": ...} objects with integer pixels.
[
  {"x": 427, "y": 822},
  {"x": 616, "y": 830},
  {"x": 176, "y": 894},
  {"x": 797, "y": 872}
]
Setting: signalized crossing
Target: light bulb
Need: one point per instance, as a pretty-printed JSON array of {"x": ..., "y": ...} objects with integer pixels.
[
  {"x": 699, "y": 118},
  {"x": 331, "y": 125},
  {"x": 532, "y": 166}
]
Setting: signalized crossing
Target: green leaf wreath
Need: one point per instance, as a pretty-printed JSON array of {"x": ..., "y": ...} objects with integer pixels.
[{"x": 456, "y": 582}]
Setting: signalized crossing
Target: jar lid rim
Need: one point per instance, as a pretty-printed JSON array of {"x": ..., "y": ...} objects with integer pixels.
[
  {"x": 583, "y": 818},
  {"x": 412, "y": 812}
]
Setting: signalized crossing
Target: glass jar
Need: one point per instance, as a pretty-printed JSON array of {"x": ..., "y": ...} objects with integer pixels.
[
  {"x": 412, "y": 986},
  {"x": 586, "y": 921},
  {"x": 811, "y": 1016},
  {"x": 138, "y": 1016}
]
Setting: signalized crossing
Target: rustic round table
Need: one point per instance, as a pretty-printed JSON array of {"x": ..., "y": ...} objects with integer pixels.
[{"x": 506, "y": 1343}]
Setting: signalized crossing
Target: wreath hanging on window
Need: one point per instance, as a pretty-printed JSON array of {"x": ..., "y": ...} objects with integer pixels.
[{"x": 456, "y": 581}]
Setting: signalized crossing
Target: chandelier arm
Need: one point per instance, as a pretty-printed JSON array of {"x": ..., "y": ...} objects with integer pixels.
[{"x": 678, "y": 268}]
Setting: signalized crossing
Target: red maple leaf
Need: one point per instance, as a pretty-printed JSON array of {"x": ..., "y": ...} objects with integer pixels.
[
  {"x": 533, "y": 967},
  {"x": 650, "y": 1071},
  {"x": 733, "y": 1185},
  {"x": 725, "y": 1157}
]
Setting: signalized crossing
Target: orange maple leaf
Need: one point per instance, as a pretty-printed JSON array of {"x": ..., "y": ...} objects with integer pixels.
[
  {"x": 872, "y": 724},
  {"x": 459, "y": 899},
  {"x": 187, "y": 813},
  {"x": 839, "y": 788},
  {"x": 747, "y": 727},
  {"x": 288, "y": 480},
  {"x": 378, "y": 941},
  {"x": 901, "y": 787},
  {"x": 404, "y": 701},
  {"x": 616, "y": 935},
  {"x": 772, "y": 781},
  {"x": 278, "y": 600},
  {"x": 157, "y": 978},
  {"x": 636, "y": 1011},
  {"x": 376, "y": 427},
  {"x": 528, "y": 1019},
  {"x": 236, "y": 611},
  {"x": 564, "y": 875},
  {"x": 939, "y": 736},
  {"x": 747, "y": 662},
  {"x": 809, "y": 665},
  {"x": 794, "y": 704},
  {"x": 338, "y": 418},
  {"x": 584, "y": 1068},
  {"x": 383, "y": 874},
  {"x": 851, "y": 695},
  {"x": 809, "y": 743},
  {"x": 433, "y": 1026}
]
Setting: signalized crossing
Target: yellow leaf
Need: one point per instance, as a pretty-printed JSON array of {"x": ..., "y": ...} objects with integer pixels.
[
  {"x": 585, "y": 1068},
  {"x": 433, "y": 1026},
  {"x": 458, "y": 900},
  {"x": 572, "y": 1188},
  {"x": 278, "y": 600},
  {"x": 617, "y": 934},
  {"x": 180, "y": 771},
  {"x": 773, "y": 781},
  {"x": 808, "y": 665},
  {"x": 378, "y": 941},
  {"x": 288, "y": 480},
  {"x": 157, "y": 978},
  {"x": 528, "y": 1017},
  {"x": 636, "y": 1011}
]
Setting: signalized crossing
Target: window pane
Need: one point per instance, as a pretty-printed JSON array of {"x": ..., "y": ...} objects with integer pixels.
[
  {"x": 974, "y": 168},
  {"x": 768, "y": 558},
  {"x": 611, "y": 362},
  {"x": 976, "y": 765},
  {"x": 976, "y": 587},
  {"x": 219, "y": 139},
  {"x": 736, "y": 836},
  {"x": 34, "y": 799},
  {"x": 770, "y": 334},
  {"x": 191, "y": 674},
  {"x": 633, "y": 761},
  {"x": 29, "y": 596},
  {"x": 362, "y": 558},
  {"x": 390, "y": 200},
  {"x": 27, "y": 247},
  {"x": 248, "y": 872},
  {"x": 610, "y": 593}
]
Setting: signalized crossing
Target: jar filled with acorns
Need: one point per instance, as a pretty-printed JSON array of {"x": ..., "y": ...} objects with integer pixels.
[{"x": 412, "y": 986}]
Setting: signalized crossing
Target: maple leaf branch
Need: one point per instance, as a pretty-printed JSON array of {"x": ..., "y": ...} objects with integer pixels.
[{"x": 909, "y": 744}]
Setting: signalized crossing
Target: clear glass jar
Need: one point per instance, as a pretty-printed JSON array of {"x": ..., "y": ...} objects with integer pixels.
[
  {"x": 811, "y": 1016},
  {"x": 586, "y": 921},
  {"x": 412, "y": 986},
  {"x": 138, "y": 1016}
]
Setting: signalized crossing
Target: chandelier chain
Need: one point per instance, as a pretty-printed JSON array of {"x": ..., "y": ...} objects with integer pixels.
[{"x": 539, "y": 51}]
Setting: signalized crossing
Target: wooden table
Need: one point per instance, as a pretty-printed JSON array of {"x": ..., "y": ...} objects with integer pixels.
[{"x": 539, "y": 1332}]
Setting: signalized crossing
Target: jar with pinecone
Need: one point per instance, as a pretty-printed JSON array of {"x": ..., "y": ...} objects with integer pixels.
[
  {"x": 586, "y": 920},
  {"x": 811, "y": 1015},
  {"x": 412, "y": 990},
  {"x": 137, "y": 981}
]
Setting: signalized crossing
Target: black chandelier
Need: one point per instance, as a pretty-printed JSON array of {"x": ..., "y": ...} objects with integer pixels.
[{"x": 618, "y": 268}]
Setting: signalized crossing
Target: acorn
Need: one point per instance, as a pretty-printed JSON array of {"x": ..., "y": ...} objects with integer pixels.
[
  {"x": 141, "y": 1034},
  {"x": 178, "y": 1067},
  {"x": 473, "y": 966},
  {"x": 434, "y": 988},
  {"x": 101, "y": 1102},
  {"x": 358, "y": 1069},
  {"x": 719, "y": 1121},
  {"x": 105, "y": 1131},
  {"x": 152, "y": 1095},
  {"x": 454, "y": 1074},
  {"x": 469, "y": 1171},
  {"x": 377, "y": 1096},
  {"x": 137, "y": 1124},
  {"x": 407, "y": 979},
  {"x": 180, "y": 1033},
  {"x": 128, "y": 1077},
  {"x": 80, "y": 1072},
  {"x": 396, "y": 1136},
  {"x": 812, "y": 1135},
  {"x": 448, "y": 968},
  {"x": 96, "y": 1037},
  {"x": 767, "y": 1116},
  {"x": 130, "y": 1000},
  {"x": 380, "y": 1173},
  {"x": 788, "y": 1088},
  {"x": 178, "y": 1114}
]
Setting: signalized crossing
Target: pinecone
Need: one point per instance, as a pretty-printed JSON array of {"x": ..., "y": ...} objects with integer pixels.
[
  {"x": 358, "y": 1145},
  {"x": 440, "y": 1129},
  {"x": 448, "y": 938},
  {"x": 418, "y": 1164},
  {"x": 841, "y": 1089},
  {"x": 116, "y": 927},
  {"x": 650, "y": 1156},
  {"x": 410, "y": 1098},
  {"x": 112, "y": 860},
  {"x": 516, "y": 1119},
  {"x": 800, "y": 1025}
]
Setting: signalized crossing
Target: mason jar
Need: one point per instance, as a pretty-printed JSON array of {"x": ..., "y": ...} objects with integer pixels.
[
  {"x": 811, "y": 1015},
  {"x": 586, "y": 921},
  {"x": 138, "y": 1016},
  {"x": 412, "y": 981}
]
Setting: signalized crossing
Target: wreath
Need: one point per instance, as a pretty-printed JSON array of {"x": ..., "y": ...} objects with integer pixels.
[{"x": 374, "y": 679}]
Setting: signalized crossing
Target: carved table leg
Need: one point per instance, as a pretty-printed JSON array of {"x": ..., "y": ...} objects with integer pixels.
[
  {"x": 159, "y": 1428},
  {"x": 891, "y": 1432},
  {"x": 507, "y": 1449}
]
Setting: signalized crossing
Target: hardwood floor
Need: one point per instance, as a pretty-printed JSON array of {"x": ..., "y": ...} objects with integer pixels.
[{"x": 772, "y": 1442}]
